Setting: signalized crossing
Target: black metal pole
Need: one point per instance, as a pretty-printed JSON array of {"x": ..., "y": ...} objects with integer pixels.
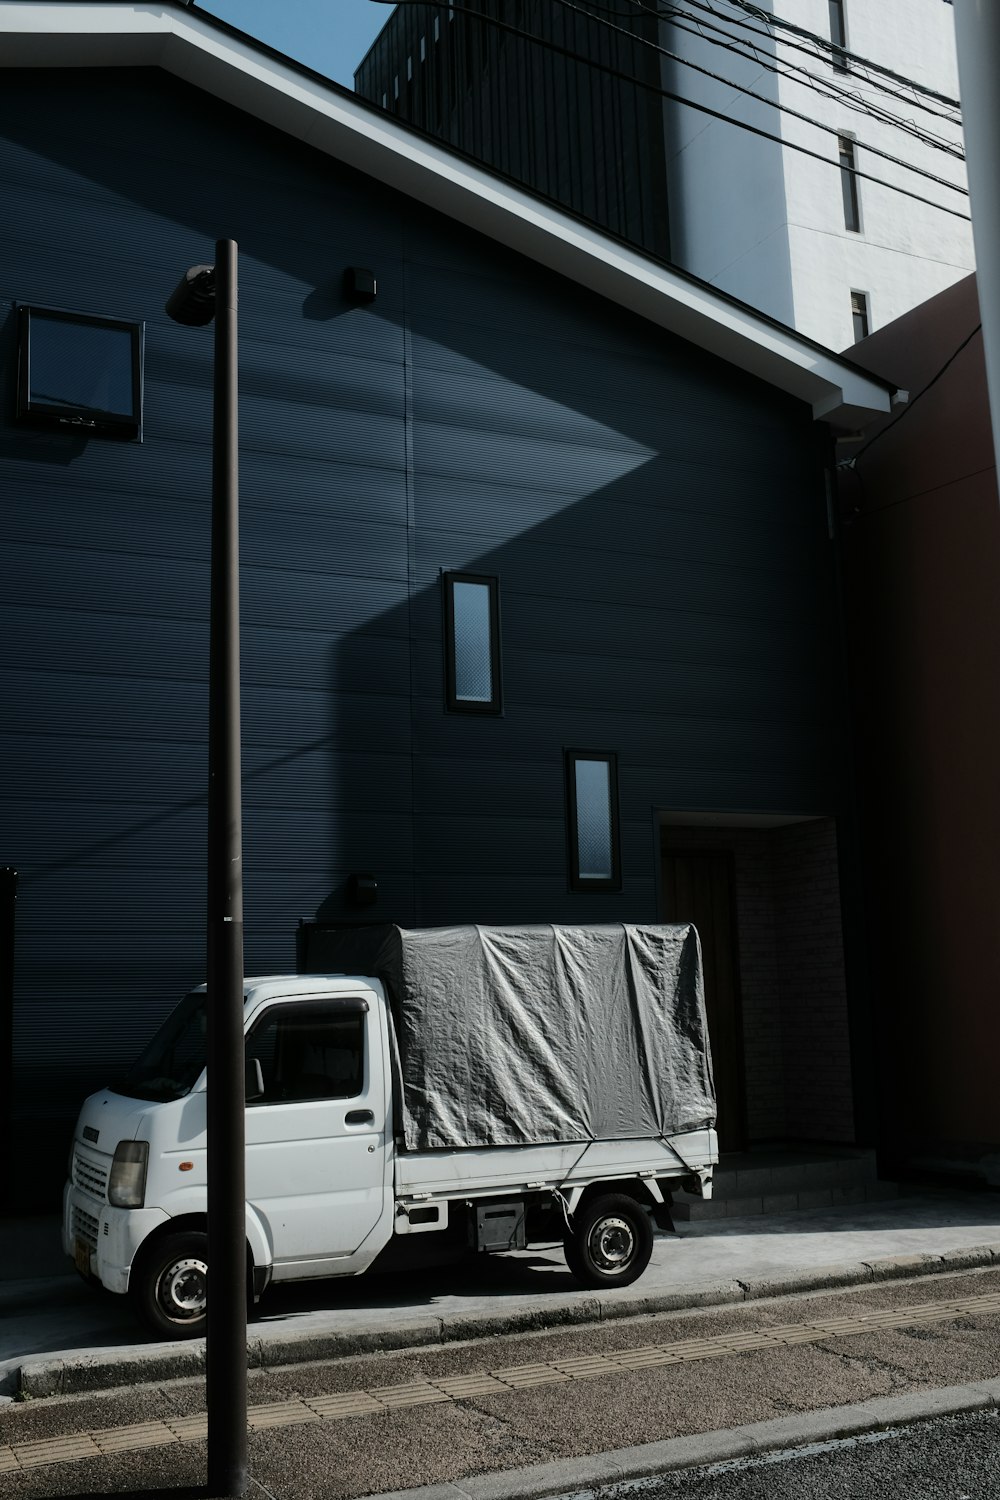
[
  {"x": 8, "y": 910},
  {"x": 227, "y": 1305}
]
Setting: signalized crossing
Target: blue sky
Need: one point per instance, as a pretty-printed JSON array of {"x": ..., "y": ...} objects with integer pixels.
[{"x": 332, "y": 36}]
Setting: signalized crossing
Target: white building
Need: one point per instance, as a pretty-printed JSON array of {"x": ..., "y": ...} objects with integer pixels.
[{"x": 812, "y": 242}]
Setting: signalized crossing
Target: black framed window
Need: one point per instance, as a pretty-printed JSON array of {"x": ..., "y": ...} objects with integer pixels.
[
  {"x": 312, "y": 1050},
  {"x": 472, "y": 643},
  {"x": 860, "y": 315},
  {"x": 849, "y": 182},
  {"x": 592, "y": 812},
  {"x": 79, "y": 371}
]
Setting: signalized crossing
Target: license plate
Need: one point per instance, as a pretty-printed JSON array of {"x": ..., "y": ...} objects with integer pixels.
[{"x": 81, "y": 1254}]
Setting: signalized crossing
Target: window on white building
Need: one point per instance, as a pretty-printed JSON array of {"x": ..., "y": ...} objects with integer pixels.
[
  {"x": 860, "y": 315},
  {"x": 838, "y": 35},
  {"x": 849, "y": 182}
]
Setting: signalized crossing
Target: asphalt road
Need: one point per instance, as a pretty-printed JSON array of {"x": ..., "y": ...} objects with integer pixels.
[
  {"x": 957, "y": 1458},
  {"x": 362, "y": 1425}
]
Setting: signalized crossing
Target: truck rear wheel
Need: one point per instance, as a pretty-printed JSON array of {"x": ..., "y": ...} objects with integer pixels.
[
  {"x": 610, "y": 1242},
  {"x": 169, "y": 1285}
]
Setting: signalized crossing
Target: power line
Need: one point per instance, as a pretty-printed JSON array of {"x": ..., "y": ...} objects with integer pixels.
[
  {"x": 664, "y": 93},
  {"x": 668, "y": 11},
  {"x": 852, "y": 461},
  {"x": 801, "y": 76},
  {"x": 452, "y": 6},
  {"x": 762, "y": 98},
  {"x": 768, "y": 21}
]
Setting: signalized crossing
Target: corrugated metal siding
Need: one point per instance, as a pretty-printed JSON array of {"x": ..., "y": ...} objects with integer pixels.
[{"x": 657, "y": 522}]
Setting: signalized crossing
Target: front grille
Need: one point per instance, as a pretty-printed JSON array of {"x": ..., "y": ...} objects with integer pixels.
[
  {"x": 84, "y": 1226},
  {"x": 90, "y": 1176}
]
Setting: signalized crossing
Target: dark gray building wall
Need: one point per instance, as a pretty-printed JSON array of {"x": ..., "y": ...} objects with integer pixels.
[
  {"x": 564, "y": 101},
  {"x": 657, "y": 521}
]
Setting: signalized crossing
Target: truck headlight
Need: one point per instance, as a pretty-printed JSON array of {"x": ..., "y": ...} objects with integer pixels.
[{"x": 127, "y": 1183}]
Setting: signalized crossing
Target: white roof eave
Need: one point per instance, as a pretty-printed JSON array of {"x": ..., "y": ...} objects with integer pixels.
[{"x": 107, "y": 33}]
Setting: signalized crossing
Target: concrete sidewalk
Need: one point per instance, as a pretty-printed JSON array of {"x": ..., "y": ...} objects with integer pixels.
[{"x": 60, "y": 1336}]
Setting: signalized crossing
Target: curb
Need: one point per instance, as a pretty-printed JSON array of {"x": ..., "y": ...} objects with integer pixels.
[
  {"x": 92, "y": 1373},
  {"x": 581, "y": 1477}
]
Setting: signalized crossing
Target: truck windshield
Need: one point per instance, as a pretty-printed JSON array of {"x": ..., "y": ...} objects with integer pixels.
[{"x": 172, "y": 1063}]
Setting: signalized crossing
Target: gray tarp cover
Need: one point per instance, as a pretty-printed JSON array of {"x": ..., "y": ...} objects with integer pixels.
[{"x": 526, "y": 1035}]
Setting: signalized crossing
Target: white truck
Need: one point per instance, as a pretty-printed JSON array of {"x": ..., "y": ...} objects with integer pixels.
[{"x": 465, "y": 1089}]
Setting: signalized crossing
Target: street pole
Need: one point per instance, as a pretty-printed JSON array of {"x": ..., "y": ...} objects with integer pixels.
[
  {"x": 8, "y": 912},
  {"x": 226, "y": 1385},
  {"x": 977, "y": 34}
]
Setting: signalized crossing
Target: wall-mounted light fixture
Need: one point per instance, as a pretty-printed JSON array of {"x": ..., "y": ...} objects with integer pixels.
[
  {"x": 360, "y": 285},
  {"x": 362, "y": 889}
]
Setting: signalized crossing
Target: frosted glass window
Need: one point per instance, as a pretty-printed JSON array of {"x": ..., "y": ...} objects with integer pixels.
[
  {"x": 472, "y": 649},
  {"x": 593, "y": 819},
  {"x": 593, "y": 813},
  {"x": 473, "y": 665}
]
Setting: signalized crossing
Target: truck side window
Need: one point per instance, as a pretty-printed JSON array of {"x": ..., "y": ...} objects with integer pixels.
[{"x": 314, "y": 1050}]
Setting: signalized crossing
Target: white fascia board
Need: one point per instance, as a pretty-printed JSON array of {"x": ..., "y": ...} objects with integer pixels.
[{"x": 88, "y": 33}]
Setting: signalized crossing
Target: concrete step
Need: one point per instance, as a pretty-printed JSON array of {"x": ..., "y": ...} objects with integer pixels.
[
  {"x": 786, "y": 1179},
  {"x": 687, "y": 1209}
]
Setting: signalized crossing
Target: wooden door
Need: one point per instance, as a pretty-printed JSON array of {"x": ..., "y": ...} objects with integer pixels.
[{"x": 699, "y": 887}]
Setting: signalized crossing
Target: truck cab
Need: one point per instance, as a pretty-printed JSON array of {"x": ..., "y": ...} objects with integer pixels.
[{"x": 318, "y": 1149}]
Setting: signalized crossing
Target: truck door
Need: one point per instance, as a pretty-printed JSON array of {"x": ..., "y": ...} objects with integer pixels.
[{"x": 316, "y": 1135}]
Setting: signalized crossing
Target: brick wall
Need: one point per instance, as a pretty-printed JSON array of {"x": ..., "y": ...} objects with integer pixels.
[
  {"x": 810, "y": 957},
  {"x": 791, "y": 975}
]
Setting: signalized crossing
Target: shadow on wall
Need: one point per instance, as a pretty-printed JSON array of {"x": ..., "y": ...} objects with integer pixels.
[{"x": 654, "y": 517}]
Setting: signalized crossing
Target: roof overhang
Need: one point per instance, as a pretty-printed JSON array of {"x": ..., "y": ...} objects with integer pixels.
[{"x": 212, "y": 56}]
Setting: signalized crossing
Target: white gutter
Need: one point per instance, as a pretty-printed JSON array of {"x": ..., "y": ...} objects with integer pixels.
[{"x": 89, "y": 33}]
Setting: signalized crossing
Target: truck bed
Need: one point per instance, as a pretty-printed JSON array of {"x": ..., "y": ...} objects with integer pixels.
[{"x": 477, "y": 1171}]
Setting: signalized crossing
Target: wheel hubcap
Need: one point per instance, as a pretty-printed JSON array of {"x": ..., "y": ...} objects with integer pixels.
[
  {"x": 182, "y": 1290},
  {"x": 612, "y": 1244}
]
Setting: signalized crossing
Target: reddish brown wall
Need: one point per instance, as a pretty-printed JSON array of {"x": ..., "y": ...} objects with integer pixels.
[{"x": 922, "y": 565}]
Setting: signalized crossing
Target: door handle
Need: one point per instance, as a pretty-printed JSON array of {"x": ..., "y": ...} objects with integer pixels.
[{"x": 359, "y": 1117}]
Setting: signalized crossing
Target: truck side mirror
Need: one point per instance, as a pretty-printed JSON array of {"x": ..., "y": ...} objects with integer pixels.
[{"x": 254, "y": 1083}]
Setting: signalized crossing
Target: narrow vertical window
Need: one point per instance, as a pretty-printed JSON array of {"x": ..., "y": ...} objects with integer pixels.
[
  {"x": 849, "y": 182},
  {"x": 472, "y": 643},
  {"x": 859, "y": 314},
  {"x": 592, "y": 804},
  {"x": 838, "y": 35}
]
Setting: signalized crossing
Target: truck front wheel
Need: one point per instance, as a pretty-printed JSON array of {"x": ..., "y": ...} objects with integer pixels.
[
  {"x": 610, "y": 1242},
  {"x": 169, "y": 1285}
]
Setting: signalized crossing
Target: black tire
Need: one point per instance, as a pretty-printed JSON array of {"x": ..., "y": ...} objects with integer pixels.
[
  {"x": 610, "y": 1242},
  {"x": 168, "y": 1285}
]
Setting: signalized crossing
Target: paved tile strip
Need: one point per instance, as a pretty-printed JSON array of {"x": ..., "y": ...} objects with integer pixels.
[
  {"x": 80, "y": 1445},
  {"x": 127, "y": 1439},
  {"x": 281, "y": 1414},
  {"x": 345, "y": 1404}
]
